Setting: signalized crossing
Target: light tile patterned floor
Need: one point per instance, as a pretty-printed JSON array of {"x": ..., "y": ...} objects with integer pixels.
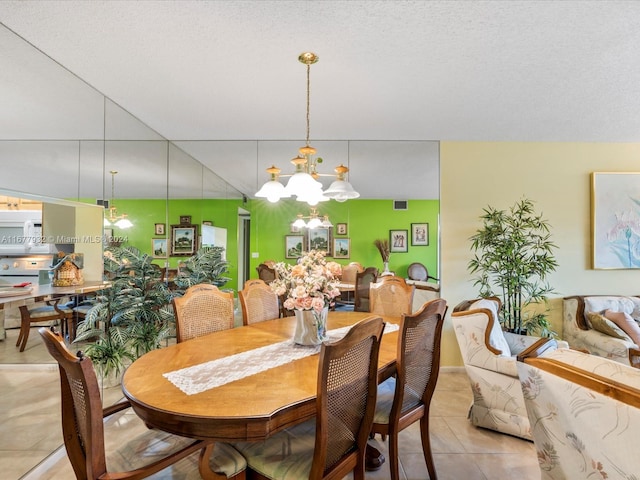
[{"x": 30, "y": 433}]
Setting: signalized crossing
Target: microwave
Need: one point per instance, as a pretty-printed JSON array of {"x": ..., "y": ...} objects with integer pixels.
[{"x": 21, "y": 233}]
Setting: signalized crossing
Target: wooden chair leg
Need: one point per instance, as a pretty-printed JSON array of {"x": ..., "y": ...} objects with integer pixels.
[
  {"x": 25, "y": 326},
  {"x": 426, "y": 446}
]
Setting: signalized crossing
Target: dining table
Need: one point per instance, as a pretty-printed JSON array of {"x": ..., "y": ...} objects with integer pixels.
[{"x": 240, "y": 384}]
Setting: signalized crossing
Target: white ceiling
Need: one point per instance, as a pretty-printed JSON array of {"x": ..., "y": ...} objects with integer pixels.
[{"x": 226, "y": 72}]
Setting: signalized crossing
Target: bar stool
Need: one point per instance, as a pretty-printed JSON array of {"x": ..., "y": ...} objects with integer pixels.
[{"x": 50, "y": 311}]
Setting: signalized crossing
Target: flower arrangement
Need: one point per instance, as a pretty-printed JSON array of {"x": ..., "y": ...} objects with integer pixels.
[{"x": 308, "y": 285}]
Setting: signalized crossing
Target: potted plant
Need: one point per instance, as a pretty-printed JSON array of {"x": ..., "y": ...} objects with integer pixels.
[
  {"x": 206, "y": 266},
  {"x": 135, "y": 311},
  {"x": 513, "y": 256}
]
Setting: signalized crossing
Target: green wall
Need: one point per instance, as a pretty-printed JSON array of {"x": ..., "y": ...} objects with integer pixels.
[
  {"x": 366, "y": 220},
  {"x": 144, "y": 214}
]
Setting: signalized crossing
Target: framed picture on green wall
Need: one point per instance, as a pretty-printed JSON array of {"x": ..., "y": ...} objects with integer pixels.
[
  {"x": 398, "y": 241},
  {"x": 321, "y": 239},
  {"x": 159, "y": 247},
  {"x": 183, "y": 240},
  {"x": 419, "y": 234},
  {"x": 293, "y": 246},
  {"x": 341, "y": 248}
]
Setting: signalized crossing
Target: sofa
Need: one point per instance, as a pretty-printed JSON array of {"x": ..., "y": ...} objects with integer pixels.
[
  {"x": 585, "y": 415},
  {"x": 604, "y": 325},
  {"x": 489, "y": 356}
]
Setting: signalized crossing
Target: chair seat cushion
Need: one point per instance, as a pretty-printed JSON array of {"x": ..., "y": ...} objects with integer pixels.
[
  {"x": 46, "y": 311},
  {"x": 153, "y": 445},
  {"x": 384, "y": 401},
  {"x": 287, "y": 455}
]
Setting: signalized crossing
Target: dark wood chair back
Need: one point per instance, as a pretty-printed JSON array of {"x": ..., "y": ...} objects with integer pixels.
[{"x": 364, "y": 280}]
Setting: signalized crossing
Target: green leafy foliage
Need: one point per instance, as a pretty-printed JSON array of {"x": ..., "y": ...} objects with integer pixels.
[
  {"x": 513, "y": 256},
  {"x": 206, "y": 266}
]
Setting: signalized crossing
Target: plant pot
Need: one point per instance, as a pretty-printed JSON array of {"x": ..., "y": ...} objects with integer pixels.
[{"x": 311, "y": 326}]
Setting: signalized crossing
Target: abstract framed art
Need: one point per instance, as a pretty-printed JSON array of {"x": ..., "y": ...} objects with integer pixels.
[{"x": 615, "y": 220}]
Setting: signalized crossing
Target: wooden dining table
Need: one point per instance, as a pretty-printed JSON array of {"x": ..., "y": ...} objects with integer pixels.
[{"x": 242, "y": 407}]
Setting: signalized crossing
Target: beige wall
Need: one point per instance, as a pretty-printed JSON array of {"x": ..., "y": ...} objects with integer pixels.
[{"x": 556, "y": 176}]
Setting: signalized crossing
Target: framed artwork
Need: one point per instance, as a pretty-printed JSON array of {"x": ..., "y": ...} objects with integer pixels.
[
  {"x": 341, "y": 248},
  {"x": 321, "y": 239},
  {"x": 341, "y": 228},
  {"x": 183, "y": 240},
  {"x": 615, "y": 211},
  {"x": 294, "y": 229},
  {"x": 398, "y": 241},
  {"x": 159, "y": 247},
  {"x": 185, "y": 219},
  {"x": 419, "y": 234},
  {"x": 207, "y": 222},
  {"x": 293, "y": 246},
  {"x": 159, "y": 229}
]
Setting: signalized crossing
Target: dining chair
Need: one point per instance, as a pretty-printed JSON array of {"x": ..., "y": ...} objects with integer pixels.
[
  {"x": 364, "y": 280},
  {"x": 266, "y": 272},
  {"x": 417, "y": 271},
  {"x": 391, "y": 295},
  {"x": 201, "y": 310},
  {"x": 405, "y": 398},
  {"x": 51, "y": 311},
  {"x": 84, "y": 431},
  {"x": 258, "y": 302},
  {"x": 333, "y": 443},
  {"x": 348, "y": 277}
]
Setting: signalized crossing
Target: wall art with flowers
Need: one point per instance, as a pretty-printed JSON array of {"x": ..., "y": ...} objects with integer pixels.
[{"x": 615, "y": 220}]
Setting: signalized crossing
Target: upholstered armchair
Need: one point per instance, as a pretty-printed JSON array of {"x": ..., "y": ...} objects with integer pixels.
[{"x": 489, "y": 356}]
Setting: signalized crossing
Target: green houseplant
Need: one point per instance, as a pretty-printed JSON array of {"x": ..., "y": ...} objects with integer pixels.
[
  {"x": 135, "y": 311},
  {"x": 206, "y": 266},
  {"x": 513, "y": 256}
]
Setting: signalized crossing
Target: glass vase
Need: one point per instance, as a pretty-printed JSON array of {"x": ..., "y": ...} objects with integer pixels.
[{"x": 311, "y": 326}]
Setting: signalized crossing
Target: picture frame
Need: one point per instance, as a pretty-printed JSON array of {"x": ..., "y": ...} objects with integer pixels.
[
  {"x": 159, "y": 229},
  {"x": 183, "y": 240},
  {"x": 207, "y": 222},
  {"x": 398, "y": 241},
  {"x": 107, "y": 236},
  {"x": 185, "y": 219},
  {"x": 159, "y": 247},
  {"x": 294, "y": 229},
  {"x": 294, "y": 246},
  {"x": 341, "y": 228},
  {"x": 419, "y": 234},
  {"x": 614, "y": 206},
  {"x": 341, "y": 248},
  {"x": 320, "y": 238}
]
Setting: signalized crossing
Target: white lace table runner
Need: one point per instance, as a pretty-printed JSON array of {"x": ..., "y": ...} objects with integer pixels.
[{"x": 208, "y": 375}]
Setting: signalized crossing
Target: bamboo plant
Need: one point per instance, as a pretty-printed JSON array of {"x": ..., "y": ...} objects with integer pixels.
[{"x": 513, "y": 257}]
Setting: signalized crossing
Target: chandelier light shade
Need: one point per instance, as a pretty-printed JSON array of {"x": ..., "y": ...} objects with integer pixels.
[
  {"x": 315, "y": 220},
  {"x": 303, "y": 183},
  {"x": 111, "y": 215}
]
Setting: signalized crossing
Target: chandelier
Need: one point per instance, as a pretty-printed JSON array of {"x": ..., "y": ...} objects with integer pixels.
[
  {"x": 303, "y": 182},
  {"x": 111, "y": 217},
  {"x": 315, "y": 220}
]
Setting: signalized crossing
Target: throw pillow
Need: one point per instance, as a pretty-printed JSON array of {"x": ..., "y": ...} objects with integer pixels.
[
  {"x": 496, "y": 337},
  {"x": 606, "y": 326},
  {"x": 626, "y": 323}
]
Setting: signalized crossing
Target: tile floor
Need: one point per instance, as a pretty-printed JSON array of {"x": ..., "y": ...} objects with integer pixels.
[{"x": 30, "y": 433}]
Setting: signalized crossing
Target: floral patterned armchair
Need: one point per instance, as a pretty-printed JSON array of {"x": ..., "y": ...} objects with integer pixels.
[
  {"x": 586, "y": 427},
  {"x": 489, "y": 356}
]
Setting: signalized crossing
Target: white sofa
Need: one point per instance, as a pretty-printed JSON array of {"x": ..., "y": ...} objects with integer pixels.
[
  {"x": 489, "y": 356},
  {"x": 585, "y": 413},
  {"x": 580, "y": 334}
]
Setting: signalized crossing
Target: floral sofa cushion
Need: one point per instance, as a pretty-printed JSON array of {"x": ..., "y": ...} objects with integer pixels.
[
  {"x": 577, "y": 329},
  {"x": 579, "y": 432}
]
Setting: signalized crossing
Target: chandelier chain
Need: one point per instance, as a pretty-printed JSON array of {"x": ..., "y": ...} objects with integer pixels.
[{"x": 308, "y": 97}]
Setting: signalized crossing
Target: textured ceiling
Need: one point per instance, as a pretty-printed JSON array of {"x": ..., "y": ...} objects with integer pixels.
[{"x": 388, "y": 71}]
